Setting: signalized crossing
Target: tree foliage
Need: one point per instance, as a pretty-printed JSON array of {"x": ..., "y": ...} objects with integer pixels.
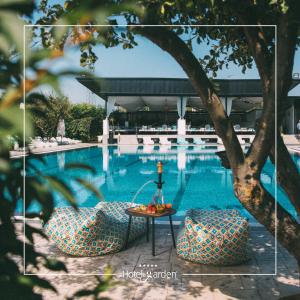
[
  {"x": 240, "y": 44},
  {"x": 46, "y": 111},
  {"x": 85, "y": 122},
  {"x": 14, "y": 283}
]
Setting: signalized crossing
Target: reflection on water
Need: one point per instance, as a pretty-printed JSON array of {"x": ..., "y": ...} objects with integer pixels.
[
  {"x": 193, "y": 176},
  {"x": 181, "y": 160},
  {"x": 61, "y": 160}
]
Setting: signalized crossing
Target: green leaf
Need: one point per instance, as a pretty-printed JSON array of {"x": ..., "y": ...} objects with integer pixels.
[
  {"x": 63, "y": 189},
  {"x": 90, "y": 187},
  {"x": 80, "y": 166},
  {"x": 11, "y": 123},
  {"x": 12, "y": 26}
]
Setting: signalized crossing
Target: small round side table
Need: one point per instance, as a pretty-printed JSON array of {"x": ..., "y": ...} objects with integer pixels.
[{"x": 134, "y": 213}]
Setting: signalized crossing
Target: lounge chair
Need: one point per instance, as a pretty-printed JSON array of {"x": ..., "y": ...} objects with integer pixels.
[
  {"x": 241, "y": 140},
  {"x": 181, "y": 141},
  {"x": 147, "y": 140},
  {"x": 93, "y": 231},
  {"x": 99, "y": 138},
  {"x": 38, "y": 144},
  {"x": 215, "y": 237},
  {"x": 198, "y": 141},
  {"x": 237, "y": 127},
  {"x": 207, "y": 127},
  {"x": 163, "y": 140},
  {"x": 219, "y": 141},
  {"x": 251, "y": 138},
  {"x": 52, "y": 144}
]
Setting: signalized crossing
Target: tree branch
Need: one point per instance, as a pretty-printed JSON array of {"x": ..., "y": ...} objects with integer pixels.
[
  {"x": 287, "y": 173},
  {"x": 265, "y": 134},
  {"x": 258, "y": 48},
  {"x": 167, "y": 40},
  {"x": 262, "y": 205}
]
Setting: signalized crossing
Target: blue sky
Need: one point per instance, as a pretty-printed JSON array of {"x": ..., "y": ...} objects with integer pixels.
[{"x": 145, "y": 60}]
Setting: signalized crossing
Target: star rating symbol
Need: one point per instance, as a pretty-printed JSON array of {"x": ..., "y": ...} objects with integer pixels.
[{"x": 147, "y": 266}]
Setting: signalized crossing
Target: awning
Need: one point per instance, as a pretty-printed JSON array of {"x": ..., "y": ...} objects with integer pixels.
[{"x": 161, "y": 94}]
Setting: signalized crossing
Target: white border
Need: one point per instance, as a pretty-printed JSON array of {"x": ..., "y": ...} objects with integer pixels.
[{"x": 139, "y": 25}]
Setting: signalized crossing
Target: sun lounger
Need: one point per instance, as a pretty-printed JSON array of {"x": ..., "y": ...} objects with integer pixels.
[
  {"x": 38, "y": 144},
  {"x": 241, "y": 140},
  {"x": 163, "y": 140},
  {"x": 208, "y": 127},
  {"x": 147, "y": 140},
  {"x": 237, "y": 127},
  {"x": 198, "y": 141},
  {"x": 93, "y": 231},
  {"x": 181, "y": 141}
]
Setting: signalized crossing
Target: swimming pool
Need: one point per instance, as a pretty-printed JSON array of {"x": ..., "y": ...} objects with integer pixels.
[{"x": 193, "y": 176}]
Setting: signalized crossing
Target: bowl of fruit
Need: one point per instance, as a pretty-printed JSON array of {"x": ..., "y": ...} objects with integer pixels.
[
  {"x": 153, "y": 208},
  {"x": 158, "y": 208}
]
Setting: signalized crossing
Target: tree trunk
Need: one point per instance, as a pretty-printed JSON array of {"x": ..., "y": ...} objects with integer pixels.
[
  {"x": 287, "y": 173},
  {"x": 246, "y": 171},
  {"x": 262, "y": 205},
  {"x": 167, "y": 40}
]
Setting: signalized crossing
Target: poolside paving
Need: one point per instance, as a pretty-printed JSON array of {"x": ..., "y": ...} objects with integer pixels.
[
  {"x": 228, "y": 284},
  {"x": 52, "y": 149}
]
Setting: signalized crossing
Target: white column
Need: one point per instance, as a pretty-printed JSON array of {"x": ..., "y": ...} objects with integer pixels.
[
  {"x": 61, "y": 160},
  {"x": 181, "y": 159},
  {"x": 110, "y": 104},
  {"x": 105, "y": 131},
  {"x": 105, "y": 126},
  {"x": 227, "y": 104},
  {"x": 181, "y": 108},
  {"x": 105, "y": 157},
  {"x": 181, "y": 126}
]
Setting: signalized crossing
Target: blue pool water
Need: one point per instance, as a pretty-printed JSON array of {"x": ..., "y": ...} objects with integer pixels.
[{"x": 193, "y": 176}]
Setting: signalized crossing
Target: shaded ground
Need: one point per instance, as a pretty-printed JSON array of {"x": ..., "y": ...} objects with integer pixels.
[{"x": 138, "y": 258}]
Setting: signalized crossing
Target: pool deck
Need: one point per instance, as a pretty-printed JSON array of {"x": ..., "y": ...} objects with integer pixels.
[
  {"x": 294, "y": 148},
  {"x": 18, "y": 154},
  {"x": 225, "y": 285},
  {"x": 59, "y": 148}
]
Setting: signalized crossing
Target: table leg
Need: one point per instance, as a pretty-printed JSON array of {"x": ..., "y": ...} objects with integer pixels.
[
  {"x": 128, "y": 232},
  {"x": 147, "y": 229},
  {"x": 172, "y": 231},
  {"x": 153, "y": 236}
]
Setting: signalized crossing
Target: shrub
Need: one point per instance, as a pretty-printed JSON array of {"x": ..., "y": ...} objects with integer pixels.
[{"x": 84, "y": 122}]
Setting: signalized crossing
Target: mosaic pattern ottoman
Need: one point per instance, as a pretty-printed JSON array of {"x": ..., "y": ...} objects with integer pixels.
[
  {"x": 215, "y": 237},
  {"x": 92, "y": 231}
]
